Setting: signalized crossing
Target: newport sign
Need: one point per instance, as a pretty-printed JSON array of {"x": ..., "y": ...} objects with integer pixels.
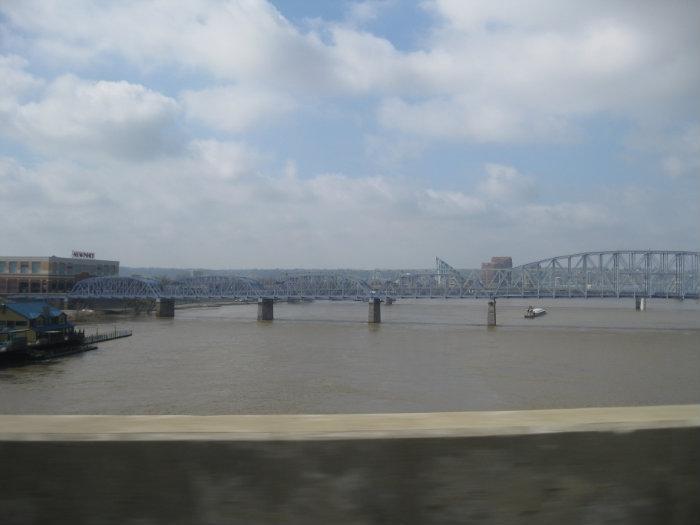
[{"x": 83, "y": 255}]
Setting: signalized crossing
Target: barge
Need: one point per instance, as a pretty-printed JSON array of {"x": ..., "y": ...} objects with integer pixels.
[
  {"x": 18, "y": 351},
  {"x": 531, "y": 312}
]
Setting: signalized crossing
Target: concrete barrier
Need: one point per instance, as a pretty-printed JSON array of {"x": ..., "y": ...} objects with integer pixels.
[{"x": 604, "y": 465}]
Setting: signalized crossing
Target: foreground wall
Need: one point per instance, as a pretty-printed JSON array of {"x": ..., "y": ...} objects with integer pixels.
[{"x": 618, "y": 465}]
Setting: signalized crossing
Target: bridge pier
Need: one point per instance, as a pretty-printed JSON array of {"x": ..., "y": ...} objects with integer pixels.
[
  {"x": 640, "y": 303},
  {"x": 491, "y": 313},
  {"x": 375, "y": 310},
  {"x": 265, "y": 309},
  {"x": 165, "y": 308}
]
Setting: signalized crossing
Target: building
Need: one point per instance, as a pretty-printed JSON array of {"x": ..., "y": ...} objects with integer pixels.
[
  {"x": 38, "y": 320},
  {"x": 496, "y": 263},
  {"x": 50, "y": 274}
]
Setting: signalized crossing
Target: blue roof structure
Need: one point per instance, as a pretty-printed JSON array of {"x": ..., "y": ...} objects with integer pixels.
[{"x": 34, "y": 309}]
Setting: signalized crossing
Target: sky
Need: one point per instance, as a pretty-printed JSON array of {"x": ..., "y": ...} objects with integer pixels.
[{"x": 348, "y": 134}]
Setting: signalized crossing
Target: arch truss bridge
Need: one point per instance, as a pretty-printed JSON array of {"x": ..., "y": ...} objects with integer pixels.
[{"x": 605, "y": 274}]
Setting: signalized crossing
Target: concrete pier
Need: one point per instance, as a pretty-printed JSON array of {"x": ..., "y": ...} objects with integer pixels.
[
  {"x": 591, "y": 465},
  {"x": 375, "y": 310},
  {"x": 266, "y": 309},
  {"x": 640, "y": 303},
  {"x": 491, "y": 314},
  {"x": 165, "y": 308}
]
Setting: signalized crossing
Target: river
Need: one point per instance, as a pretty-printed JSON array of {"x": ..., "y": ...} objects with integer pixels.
[{"x": 426, "y": 355}]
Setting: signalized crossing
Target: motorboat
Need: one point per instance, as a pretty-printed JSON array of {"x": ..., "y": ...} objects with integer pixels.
[{"x": 534, "y": 312}]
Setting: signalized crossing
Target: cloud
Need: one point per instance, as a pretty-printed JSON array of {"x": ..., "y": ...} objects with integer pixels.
[
  {"x": 235, "y": 108},
  {"x": 15, "y": 85},
  {"x": 223, "y": 160},
  {"x": 683, "y": 154},
  {"x": 672, "y": 150},
  {"x": 443, "y": 203},
  {"x": 389, "y": 152},
  {"x": 568, "y": 216},
  {"x": 487, "y": 72},
  {"x": 363, "y": 12},
  {"x": 117, "y": 119},
  {"x": 518, "y": 71},
  {"x": 234, "y": 40},
  {"x": 142, "y": 156},
  {"x": 456, "y": 119},
  {"x": 506, "y": 184},
  {"x": 216, "y": 205}
]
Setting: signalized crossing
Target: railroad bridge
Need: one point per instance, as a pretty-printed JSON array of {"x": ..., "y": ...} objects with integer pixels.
[{"x": 604, "y": 274}]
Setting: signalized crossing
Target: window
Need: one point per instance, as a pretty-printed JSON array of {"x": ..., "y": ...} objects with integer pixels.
[
  {"x": 24, "y": 267},
  {"x": 36, "y": 267},
  {"x": 2, "y": 266},
  {"x": 21, "y": 323},
  {"x": 13, "y": 266}
]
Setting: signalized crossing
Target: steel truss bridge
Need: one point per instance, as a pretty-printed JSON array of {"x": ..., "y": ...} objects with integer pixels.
[{"x": 606, "y": 274}]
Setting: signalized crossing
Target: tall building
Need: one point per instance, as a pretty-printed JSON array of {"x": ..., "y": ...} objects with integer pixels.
[
  {"x": 496, "y": 263},
  {"x": 50, "y": 274}
]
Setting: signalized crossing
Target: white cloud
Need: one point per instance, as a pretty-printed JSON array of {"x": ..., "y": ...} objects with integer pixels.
[
  {"x": 15, "y": 82},
  {"x": 216, "y": 206},
  {"x": 514, "y": 71},
  {"x": 235, "y": 108},
  {"x": 506, "y": 184},
  {"x": 15, "y": 85},
  {"x": 116, "y": 171},
  {"x": 388, "y": 152},
  {"x": 683, "y": 156},
  {"x": 488, "y": 72},
  {"x": 98, "y": 118},
  {"x": 672, "y": 150},
  {"x": 455, "y": 119},
  {"x": 246, "y": 39},
  {"x": 567, "y": 216},
  {"x": 223, "y": 160},
  {"x": 443, "y": 203},
  {"x": 362, "y": 12}
]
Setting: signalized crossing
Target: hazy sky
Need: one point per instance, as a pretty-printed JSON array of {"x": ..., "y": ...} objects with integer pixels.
[{"x": 246, "y": 133}]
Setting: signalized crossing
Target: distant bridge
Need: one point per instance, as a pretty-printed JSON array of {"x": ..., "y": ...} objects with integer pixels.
[
  {"x": 308, "y": 286},
  {"x": 605, "y": 274}
]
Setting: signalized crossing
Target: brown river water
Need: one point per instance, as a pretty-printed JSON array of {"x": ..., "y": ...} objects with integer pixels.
[{"x": 323, "y": 357}]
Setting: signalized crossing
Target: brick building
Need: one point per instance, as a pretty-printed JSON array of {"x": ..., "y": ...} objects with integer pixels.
[{"x": 496, "y": 263}]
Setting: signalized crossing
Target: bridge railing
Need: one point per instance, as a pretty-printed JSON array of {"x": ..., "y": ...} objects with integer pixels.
[{"x": 599, "y": 274}]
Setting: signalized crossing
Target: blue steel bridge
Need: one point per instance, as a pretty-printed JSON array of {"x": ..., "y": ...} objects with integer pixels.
[{"x": 606, "y": 274}]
